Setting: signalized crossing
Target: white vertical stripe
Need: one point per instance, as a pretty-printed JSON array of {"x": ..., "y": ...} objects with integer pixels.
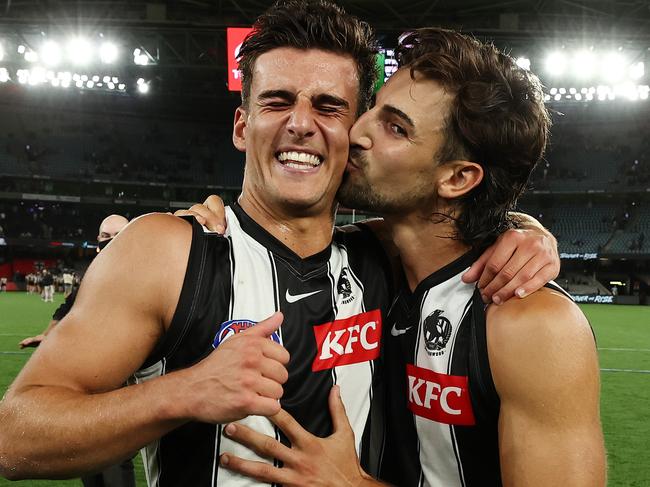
[
  {"x": 437, "y": 455},
  {"x": 355, "y": 380},
  {"x": 150, "y": 460},
  {"x": 254, "y": 300}
]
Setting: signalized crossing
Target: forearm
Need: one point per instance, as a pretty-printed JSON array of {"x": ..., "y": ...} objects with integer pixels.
[{"x": 54, "y": 432}]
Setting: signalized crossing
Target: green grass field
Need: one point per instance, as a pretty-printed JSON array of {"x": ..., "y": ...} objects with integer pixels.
[{"x": 623, "y": 334}]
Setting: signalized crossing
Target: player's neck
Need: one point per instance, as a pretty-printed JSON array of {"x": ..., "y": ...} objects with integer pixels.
[
  {"x": 305, "y": 234},
  {"x": 425, "y": 245}
]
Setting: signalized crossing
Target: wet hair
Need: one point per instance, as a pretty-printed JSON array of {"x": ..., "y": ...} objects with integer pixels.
[
  {"x": 497, "y": 119},
  {"x": 311, "y": 24}
]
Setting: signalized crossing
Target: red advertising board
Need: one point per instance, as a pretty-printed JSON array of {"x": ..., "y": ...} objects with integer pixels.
[{"x": 235, "y": 37}]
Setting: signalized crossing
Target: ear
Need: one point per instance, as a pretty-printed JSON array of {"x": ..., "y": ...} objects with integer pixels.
[
  {"x": 459, "y": 178},
  {"x": 239, "y": 129}
]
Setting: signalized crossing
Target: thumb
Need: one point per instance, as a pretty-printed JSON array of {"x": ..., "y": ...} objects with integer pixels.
[
  {"x": 474, "y": 272},
  {"x": 340, "y": 420},
  {"x": 266, "y": 327}
]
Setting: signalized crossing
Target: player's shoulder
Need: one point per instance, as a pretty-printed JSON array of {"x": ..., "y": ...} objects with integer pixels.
[{"x": 547, "y": 314}]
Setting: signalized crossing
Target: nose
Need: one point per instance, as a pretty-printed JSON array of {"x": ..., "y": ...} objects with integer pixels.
[
  {"x": 359, "y": 137},
  {"x": 301, "y": 123}
]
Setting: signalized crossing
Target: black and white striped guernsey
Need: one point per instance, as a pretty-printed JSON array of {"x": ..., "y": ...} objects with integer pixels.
[
  {"x": 333, "y": 303},
  {"x": 442, "y": 404}
]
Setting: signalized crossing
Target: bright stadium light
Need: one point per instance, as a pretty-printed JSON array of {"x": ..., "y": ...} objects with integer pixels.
[
  {"x": 31, "y": 56},
  {"x": 523, "y": 63},
  {"x": 143, "y": 86},
  {"x": 637, "y": 70},
  {"x": 556, "y": 63},
  {"x": 4, "y": 75},
  {"x": 562, "y": 91},
  {"x": 108, "y": 52},
  {"x": 51, "y": 53},
  {"x": 613, "y": 66},
  {"x": 21, "y": 49},
  {"x": 557, "y": 97},
  {"x": 90, "y": 84},
  {"x": 140, "y": 57},
  {"x": 80, "y": 51},
  {"x": 584, "y": 63},
  {"x": 2, "y": 52}
]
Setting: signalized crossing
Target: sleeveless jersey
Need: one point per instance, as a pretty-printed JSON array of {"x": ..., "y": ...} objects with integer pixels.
[
  {"x": 333, "y": 303},
  {"x": 442, "y": 404}
]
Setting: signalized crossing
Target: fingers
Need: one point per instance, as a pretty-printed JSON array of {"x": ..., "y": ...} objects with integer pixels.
[
  {"x": 269, "y": 388},
  {"x": 340, "y": 420},
  {"x": 506, "y": 275},
  {"x": 214, "y": 211},
  {"x": 290, "y": 427},
  {"x": 262, "y": 472},
  {"x": 275, "y": 371},
  {"x": 475, "y": 271},
  {"x": 522, "y": 283},
  {"x": 265, "y": 328},
  {"x": 543, "y": 276},
  {"x": 213, "y": 220},
  {"x": 263, "y": 445}
]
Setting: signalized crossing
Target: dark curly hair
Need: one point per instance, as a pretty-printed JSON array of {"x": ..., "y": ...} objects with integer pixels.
[
  {"x": 311, "y": 24},
  {"x": 497, "y": 119}
]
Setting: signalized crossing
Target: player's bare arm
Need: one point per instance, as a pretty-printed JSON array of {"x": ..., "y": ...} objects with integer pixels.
[
  {"x": 313, "y": 461},
  {"x": 519, "y": 263},
  {"x": 544, "y": 364},
  {"x": 66, "y": 413}
]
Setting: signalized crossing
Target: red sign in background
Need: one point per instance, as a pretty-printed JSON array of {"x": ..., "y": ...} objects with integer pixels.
[{"x": 235, "y": 36}]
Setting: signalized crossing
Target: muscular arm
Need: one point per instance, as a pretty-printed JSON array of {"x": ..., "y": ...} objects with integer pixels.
[
  {"x": 544, "y": 363},
  {"x": 67, "y": 413}
]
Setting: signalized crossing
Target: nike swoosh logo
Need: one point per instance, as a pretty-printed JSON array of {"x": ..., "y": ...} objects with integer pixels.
[
  {"x": 397, "y": 332},
  {"x": 292, "y": 298}
]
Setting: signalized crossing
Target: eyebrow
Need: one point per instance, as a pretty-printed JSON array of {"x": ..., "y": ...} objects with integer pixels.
[
  {"x": 396, "y": 111},
  {"x": 323, "y": 99}
]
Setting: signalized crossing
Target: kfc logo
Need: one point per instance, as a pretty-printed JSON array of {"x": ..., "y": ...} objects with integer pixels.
[
  {"x": 348, "y": 341},
  {"x": 439, "y": 397}
]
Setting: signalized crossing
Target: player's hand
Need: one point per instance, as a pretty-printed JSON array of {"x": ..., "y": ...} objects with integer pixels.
[
  {"x": 519, "y": 263},
  {"x": 34, "y": 341},
  {"x": 243, "y": 376},
  {"x": 211, "y": 213},
  {"x": 311, "y": 460}
]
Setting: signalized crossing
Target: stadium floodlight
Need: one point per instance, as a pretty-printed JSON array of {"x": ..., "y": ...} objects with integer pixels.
[
  {"x": 55, "y": 82},
  {"x": 143, "y": 86},
  {"x": 106, "y": 79},
  {"x": 51, "y": 53},
  {"x": 637, "y": 70},
  {"x": 4, "y": 75},
  {"x": 90, "y": 84},
  {"x": 557, "y": 97},
  {"x": 556, "y": 63},
  {"x": 31, "y": 56},
  {"x": 584, "y": 63},
  {"x": 84, "y": 77},
  {"x": 108, "y": 52},
  {"x": 523, "y": 63},
  {"x": 589, "y": 96},
  {"x": 80, "y": 51},
  {"x": 553, "y": 91},
  {"x": 573, "y": 91},
  {"x": 111, "y": 85},
  {"x": 21, "y": 49},
  {"x": 95, "y": 78},
  {"x": 79, "y": 84},
  {"x": 562, "y": 91},
  {"x": 547, "y": 97},
  {"x": 578, "y": 96},
  {"x": 613, "y": 66},
  {"x": 2, "y": 52}
]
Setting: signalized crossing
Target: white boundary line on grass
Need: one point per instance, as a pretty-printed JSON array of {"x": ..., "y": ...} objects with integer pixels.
[
  {"x": 625, "y": 349},
  {"x": 626, "y": 370},
  {"x": 2, "y": 352}
]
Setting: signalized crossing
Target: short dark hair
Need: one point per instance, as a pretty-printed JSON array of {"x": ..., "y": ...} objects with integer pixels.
[
  {"x": 311, "y": 24},
  {"x": 497, "y": 119}
]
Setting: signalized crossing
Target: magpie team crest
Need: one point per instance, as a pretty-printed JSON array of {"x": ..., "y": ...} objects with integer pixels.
[
  {"x": 229, "y": 328},
  {"x": 437, "y": 330},
  {"x": 343, "y": 287}
]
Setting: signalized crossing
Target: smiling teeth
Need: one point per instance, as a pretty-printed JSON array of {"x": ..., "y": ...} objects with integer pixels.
[{"x": 298, "y": 159}]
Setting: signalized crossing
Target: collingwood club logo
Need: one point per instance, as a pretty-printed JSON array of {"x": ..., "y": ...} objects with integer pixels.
[
  {"x": 437, "y": 330},
  {"x": 344, "y": 288}
]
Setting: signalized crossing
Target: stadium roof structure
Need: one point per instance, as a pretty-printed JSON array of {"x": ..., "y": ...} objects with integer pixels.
[{"x": 186, "y": 40}]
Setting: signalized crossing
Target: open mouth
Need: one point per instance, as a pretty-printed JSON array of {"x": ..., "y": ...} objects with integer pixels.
[{"x": 299, "y": 160}]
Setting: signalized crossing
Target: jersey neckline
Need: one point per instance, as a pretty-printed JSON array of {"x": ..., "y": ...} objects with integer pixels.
[
  {"x": 445, "y": 273},
  {"x": 262, "y": 236}
]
